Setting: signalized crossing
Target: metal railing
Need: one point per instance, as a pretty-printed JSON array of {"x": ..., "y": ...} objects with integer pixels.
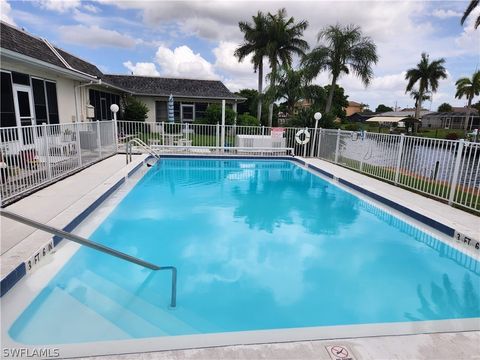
[
  {"x": 142, "y": 145},
  {"x": 96, "y": 246},
  {"x": 34, "y": 156}
]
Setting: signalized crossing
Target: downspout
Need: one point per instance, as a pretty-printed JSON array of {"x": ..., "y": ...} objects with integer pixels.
[{"x": 75, "y": 94}]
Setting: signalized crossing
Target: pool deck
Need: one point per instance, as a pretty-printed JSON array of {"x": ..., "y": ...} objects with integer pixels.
[
  {"x": 59, "y": 203},
  {"x": 56, "y": 205},
  {"x": 446, "y": 346}
]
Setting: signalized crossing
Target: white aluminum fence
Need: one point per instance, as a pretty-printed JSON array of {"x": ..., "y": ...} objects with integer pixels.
[
  {"x": 33, "y": 156},
  {"x": 444, "y": 169}
]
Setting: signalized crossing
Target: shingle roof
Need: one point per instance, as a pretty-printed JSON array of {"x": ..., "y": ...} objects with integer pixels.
[
  {"x": 19, "y": 41},
  {"x": 23, "y": 43},
  {"x": 158, "y": 86}
]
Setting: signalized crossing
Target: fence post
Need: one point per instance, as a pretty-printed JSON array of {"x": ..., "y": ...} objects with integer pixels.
[
  {"x": 337, "y": 146},
  {"x": 263, "y": 130},
  {"x": 163, "y": 133},
  {"x": 79, "y": 149},
  {"x": 399, "y": 158},
  {"x": 305, "y": 145},
  {"x": 99, "y": 140},
  {"x": 115, "y": 131},
  {"x": 217, "y": 136},
  {"x": 456, "y": 170},
  {"x": 319, "y": 141},
  {"x": 223, "y": 125},
  {"x": 47, "y": 151}
]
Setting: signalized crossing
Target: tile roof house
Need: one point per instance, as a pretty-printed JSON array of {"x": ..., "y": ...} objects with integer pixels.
[{"x": 41, "y": 83}]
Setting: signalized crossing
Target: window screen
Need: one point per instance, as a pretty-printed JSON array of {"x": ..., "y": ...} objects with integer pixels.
[
  {"x": 7, "y": 109},
  {"x": 51, "y": 90},
  {"x": 39, "y": 101}
]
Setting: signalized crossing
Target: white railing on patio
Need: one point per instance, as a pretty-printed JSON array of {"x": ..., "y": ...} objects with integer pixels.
[
  {"x": 33, "y": 156},
  {"x": 443, "y": 169}
]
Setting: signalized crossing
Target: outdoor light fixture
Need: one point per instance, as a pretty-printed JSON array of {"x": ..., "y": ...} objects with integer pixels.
[
  {"x": 317, "y": 116},
  {"x": 114, "y": 108}
]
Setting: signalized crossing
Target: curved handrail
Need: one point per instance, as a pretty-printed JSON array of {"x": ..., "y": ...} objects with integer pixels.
[
  {"x": 96, "y": 246},
  {"x": 143, "y": 145}
]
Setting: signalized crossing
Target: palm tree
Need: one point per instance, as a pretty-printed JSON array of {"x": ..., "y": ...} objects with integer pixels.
[
  {"x": 284, "y": 40},
  {"x": 415, "y": 94},
  {"x": 255, "y": 44},
  {"x": 468, "y": 88},
  {"x": 473, "y": 4},
  {"x": 344, "y": 50},
  {"x": 290, "y": 86},
  {"x": 427, "y": 74}
]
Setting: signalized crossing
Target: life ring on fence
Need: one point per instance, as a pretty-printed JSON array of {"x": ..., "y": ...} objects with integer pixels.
[{"x": 305, "y": 140}]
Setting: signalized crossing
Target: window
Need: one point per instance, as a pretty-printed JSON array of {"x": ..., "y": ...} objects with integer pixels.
[
  {"x": 161, "y": 111},
  {"x": 102, "y": 101},
  {"x": 7, "y": 109},
  {"x": 52, "y": 103},
  {"x": 39, "y": 101},
  {"x": 21, "y": 79}
]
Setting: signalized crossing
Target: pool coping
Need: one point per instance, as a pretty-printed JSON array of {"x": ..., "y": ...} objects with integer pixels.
[{"x": 259, "y": 336}]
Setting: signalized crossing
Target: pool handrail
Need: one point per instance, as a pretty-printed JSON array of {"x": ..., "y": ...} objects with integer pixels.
[
  {"x": 143, "y": 145},
  {"x": 96, "y": 246}
]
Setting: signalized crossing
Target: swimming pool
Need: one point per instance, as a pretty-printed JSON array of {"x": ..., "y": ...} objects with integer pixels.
[{"x": 259, "y": 245}]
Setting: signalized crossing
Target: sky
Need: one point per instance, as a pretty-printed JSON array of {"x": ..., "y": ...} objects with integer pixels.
[{"x": 197, "y": 39}]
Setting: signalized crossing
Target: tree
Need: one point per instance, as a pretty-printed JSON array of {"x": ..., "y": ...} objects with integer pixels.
[
  {"x": 473, "y": 4},
  {"x": 290, "y": 86},
  {"x": 249, "y": 105},
  {"x": 468, "y": 88},
  {"x": 134, "y": 110},
  {"x": 427, "y": 74},
  {"x": 415, "y": 94},
  {"x": 383, "y": 108},
  {"x": 255, "y": 44},
  {"x": 344, "y": 50},
  {"x": 445, "y": 107},
  {"x": 284, "y": 39},
  {"x": 213, "y": 115}
]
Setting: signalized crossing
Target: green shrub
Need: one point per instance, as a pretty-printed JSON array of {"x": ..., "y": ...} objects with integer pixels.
[
  {"x": 247, "y": 120},
  {"x": 213, "y": 115},
  {"x": 353, "y": 127},
  {"x": 135, "y": 110},
  {"x": 451, "y": 136}
]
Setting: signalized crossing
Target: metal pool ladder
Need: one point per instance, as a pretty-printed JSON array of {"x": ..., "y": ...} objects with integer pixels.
[
  {"x": 99, "y": 247},
  {"x": 143, "y": 145}
]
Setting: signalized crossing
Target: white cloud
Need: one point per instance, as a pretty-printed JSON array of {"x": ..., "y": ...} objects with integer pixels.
[
  {"x": 95, "y": 36},
  {"x": 445, "y": 14},
  {"x": 59, "y": 5},
  {"x": 5, "y": 10},
  {"x": 183, "y": 62},
  {"x": 91, "y": 8},
  {"x": 142, "y": 68}
]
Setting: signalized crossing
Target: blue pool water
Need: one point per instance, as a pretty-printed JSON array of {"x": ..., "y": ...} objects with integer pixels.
[{"x": 258, "y": 245}]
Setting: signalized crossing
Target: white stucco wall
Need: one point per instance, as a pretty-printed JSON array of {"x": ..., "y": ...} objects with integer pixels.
[{"x": 65, "y": 88}]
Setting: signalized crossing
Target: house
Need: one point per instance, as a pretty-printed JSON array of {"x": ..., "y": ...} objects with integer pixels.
[
  {"x": 353, "y": 108},
  {"x": 454, "y": 119},
  {"x": 406, "y": 113},
  {"x": 361, "y": 116},
  {"x": 43, "y": 84}
]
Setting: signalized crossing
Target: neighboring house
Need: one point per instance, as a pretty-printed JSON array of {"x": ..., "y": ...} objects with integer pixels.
[
  {"x": 406, "y": 112},
  {"x": 361, "y": 116},
  {"x": 353, "y": 108},
  {"x": 43, "y": 84},
  {"x": 454, "y": 119}
]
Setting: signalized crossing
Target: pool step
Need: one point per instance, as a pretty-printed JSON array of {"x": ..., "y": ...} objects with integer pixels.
[
  {"x": 132, "y": 324},
  {"x": 160, "y": 317},
  {"x": 66, "y": 318}
]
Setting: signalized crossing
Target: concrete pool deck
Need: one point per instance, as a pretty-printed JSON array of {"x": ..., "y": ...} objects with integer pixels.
[{"x": 59, "y": 204}]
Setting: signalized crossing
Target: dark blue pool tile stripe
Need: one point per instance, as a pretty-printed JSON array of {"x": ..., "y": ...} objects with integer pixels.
[
  {"x": 320, "y": 171},
  {"x": 420, "y": 217},
  {"x": 11, "y": 279}
]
